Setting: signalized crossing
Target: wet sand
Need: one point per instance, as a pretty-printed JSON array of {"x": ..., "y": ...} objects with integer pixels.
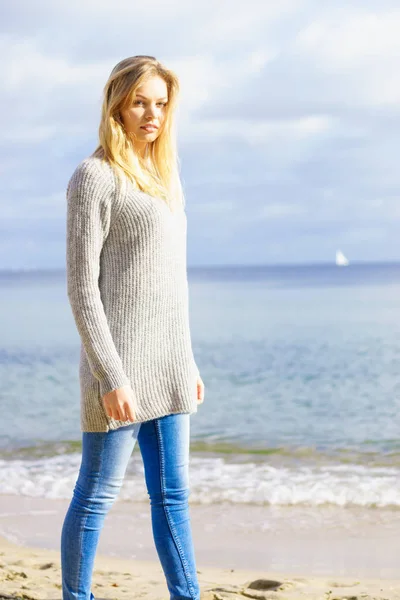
[{"x": 241, "y": 551}]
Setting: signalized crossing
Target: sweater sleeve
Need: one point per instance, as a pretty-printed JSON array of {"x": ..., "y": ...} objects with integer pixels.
[{"x": 89, "y": 195}]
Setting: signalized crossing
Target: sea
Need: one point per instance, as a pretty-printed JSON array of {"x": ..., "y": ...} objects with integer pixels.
[{"x": 301, "y": 366}]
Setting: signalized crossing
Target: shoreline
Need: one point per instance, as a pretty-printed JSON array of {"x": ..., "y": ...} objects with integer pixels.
[{"x": 319, "y": 541}]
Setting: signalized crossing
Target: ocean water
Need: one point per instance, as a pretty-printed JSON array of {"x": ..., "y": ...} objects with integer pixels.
[{"x": 301, "y": 367}]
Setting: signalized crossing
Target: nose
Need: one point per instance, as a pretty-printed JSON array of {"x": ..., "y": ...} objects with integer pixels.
[{"x": 152, "y": 110}]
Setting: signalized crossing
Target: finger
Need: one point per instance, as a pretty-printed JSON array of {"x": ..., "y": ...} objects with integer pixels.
[
  {"x": 125, "y": 412},
  {"x": 121, "y": 414},
  {"x": 107, "y": 409},
  {"x": 130, "y": 407},
  {"x": 130, "y": 414},
  {"x": 114, "y": 413}
]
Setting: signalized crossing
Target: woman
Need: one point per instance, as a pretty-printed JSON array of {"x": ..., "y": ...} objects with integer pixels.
[{"x": 127, "y": 287}]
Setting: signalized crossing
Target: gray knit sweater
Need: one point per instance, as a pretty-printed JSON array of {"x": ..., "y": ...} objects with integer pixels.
[{"x": 128, "y": 290}]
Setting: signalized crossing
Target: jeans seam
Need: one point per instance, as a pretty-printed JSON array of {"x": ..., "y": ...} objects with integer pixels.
[
  {"x": 167, "y": 515},
  {"x": 89, "y": 505}
]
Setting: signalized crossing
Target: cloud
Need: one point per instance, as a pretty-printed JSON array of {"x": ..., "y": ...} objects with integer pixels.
[{"x": 288, "y": 122}]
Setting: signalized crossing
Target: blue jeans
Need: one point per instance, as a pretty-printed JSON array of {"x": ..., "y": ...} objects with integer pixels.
[{"x": 164, "y": 445}]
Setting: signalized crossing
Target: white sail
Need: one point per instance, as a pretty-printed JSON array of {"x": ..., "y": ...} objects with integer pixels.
[{"x": 341, "y": 260}]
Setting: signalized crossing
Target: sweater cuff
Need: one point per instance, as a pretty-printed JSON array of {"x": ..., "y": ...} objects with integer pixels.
[{"x": 113, "y": 382}]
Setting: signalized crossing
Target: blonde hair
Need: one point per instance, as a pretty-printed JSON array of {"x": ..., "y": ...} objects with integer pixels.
[{"x": 159, "y": 174}]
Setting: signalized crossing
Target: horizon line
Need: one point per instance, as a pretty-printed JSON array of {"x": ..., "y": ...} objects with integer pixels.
[{"x": 223, "y": 266}]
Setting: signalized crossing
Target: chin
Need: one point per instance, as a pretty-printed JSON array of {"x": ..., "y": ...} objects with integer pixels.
[{"x": 150, "y": 134}]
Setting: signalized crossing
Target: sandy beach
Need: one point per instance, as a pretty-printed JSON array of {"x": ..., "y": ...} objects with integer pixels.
[
  {"x": 231, "y": 565},
  {"x": 34, "y": 574}
]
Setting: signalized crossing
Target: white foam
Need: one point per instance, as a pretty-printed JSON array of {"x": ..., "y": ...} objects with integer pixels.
[{"x": 214, "y": 480}]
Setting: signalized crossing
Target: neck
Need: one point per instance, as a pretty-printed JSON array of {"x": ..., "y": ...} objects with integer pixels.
[{"x": 141, "y": 149}]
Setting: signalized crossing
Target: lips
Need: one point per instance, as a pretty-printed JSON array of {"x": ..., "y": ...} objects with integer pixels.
[{"x": 149, "y": 127}]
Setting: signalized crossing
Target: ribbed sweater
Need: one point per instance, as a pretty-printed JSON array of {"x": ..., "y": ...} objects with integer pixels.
[{"x": 128, "y": 290}]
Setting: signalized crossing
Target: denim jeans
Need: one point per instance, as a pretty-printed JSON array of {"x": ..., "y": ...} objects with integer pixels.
[{"x": 164, "y": 445}]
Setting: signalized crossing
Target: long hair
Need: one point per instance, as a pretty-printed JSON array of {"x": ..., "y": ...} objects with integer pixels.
[{"x": 158, "y": 175}]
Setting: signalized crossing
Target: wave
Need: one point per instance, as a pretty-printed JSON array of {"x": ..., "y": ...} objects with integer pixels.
[
  {"x": 216, "y": 479},
  {"x": 378, "y": 456}
]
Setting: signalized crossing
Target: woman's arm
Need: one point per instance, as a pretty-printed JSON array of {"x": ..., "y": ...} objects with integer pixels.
[{"x": 89, "y": 196}]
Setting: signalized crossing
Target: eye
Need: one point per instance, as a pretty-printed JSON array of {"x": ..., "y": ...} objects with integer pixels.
[{"x": 141, "y": 102}]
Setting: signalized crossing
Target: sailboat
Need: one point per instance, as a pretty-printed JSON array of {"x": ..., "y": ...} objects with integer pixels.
[{"x": 341, "y": 260}]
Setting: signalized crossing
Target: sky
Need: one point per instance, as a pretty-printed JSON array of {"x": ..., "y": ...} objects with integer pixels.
[{"x": 288, "y": 123}]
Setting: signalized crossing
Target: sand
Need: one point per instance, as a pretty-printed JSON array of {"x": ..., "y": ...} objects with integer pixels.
[
  {"x": 241, "y": 552},
  {"x": 34, "y": 574}
]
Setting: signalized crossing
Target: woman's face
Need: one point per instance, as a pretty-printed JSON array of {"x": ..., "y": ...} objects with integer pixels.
[{"x": 149, "y": 107}]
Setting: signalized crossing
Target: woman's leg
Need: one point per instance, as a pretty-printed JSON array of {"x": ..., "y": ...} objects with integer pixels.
[
  {"x": 105, "y": 456},
  {"x": 164, "y": 445}
]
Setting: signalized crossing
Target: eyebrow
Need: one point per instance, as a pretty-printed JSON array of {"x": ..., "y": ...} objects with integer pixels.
[{"x": 141, "y": 95}]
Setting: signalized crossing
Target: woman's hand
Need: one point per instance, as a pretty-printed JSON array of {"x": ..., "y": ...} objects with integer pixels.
[
  {"x": 119, "y": 404},
  {"x": 200, "y": 390}
]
